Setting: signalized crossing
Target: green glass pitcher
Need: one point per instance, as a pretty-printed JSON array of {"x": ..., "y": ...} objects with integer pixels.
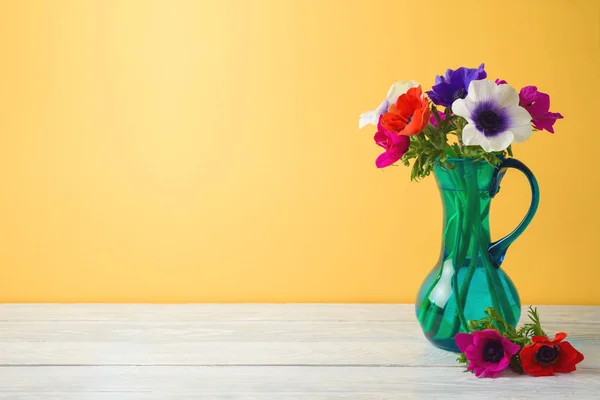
[{"x": 468, "y": 277}]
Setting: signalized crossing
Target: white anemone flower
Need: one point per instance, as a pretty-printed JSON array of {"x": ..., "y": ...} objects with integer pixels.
[
  {"x": 397, "y": 90},
  {"x": 494, "y": 116}
]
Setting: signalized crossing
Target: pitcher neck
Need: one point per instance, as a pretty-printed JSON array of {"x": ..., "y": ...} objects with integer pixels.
[{"x": 465, "y": 194}]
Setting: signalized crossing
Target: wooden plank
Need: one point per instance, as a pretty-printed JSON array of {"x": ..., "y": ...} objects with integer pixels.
[
  {"x": 213, "y": 396},
  {"x": 194, "y": 331},
  {"x": 224, "y": 353},
  {"x": 206, "y": 312},
  {"x": 249, "y": 312},
  {"x": 409, "y": 353},
  {"x": 286, "y": 383},
  {"x": 238, "y": 331}
]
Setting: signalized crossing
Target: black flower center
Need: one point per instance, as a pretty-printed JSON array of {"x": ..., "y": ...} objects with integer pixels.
[
  {"x": 459, "y": 94},
  {"x": 488, "y": 121},
  {"x": 493, "y": 351},
  {"x": 409, "y": 119},
  {"x": 547, "y": 355}
]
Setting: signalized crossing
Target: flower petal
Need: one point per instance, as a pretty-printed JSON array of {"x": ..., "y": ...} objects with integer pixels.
[
  {"x": 406, "y": 104},
  {"x": 459, "y": 107},
  {"x": 546, "y": 122},
  {"x": 372, "y": 117},
  {"x": 506, "y": 96},
  {"x": 530, "y": 94},
  {"x": 559, "y": 337},
  {"x": 521, "y": 133},
  {"x": 482, "y": 90},
  {"x": 400, "y": 143},
  {"x": 518, "y": 115},
  {"x": 471, "y": 136},
  {"x": 498, "y": 142},
  {"x": 393, "y": 122},
  {"x": 474, "y": 354},
  {"x": 463, "y": 340},
  {"x": 419, "y": 120},
  {"x": 568, "y": 358},
  {"x": 366, "y": 119},
  {"x": 540, "y": 339},
  {"x": 381, "y": 139},
  {"x": 509, "y": 347},
  {"x": 463, "y": 108},
  {"x": 501, "y": 366},
  {"x": 543, "y": 371},
  {"x": 441, "y": 94},
  {"x": 480, "y": 338},
  {"x": 491, "y": 374},
  {"x": 398, "y": 89},
  {"x": 386, "y": 159},
  {"x": 527, "y": 357}
]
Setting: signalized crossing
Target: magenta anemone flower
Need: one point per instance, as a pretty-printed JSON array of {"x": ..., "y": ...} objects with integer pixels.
[
  {"x": 433, "y": 120},
  {"x": 538, "y": 105},
  {"x": 488, "y": 351},
  {"x": 394, "y": 145}
]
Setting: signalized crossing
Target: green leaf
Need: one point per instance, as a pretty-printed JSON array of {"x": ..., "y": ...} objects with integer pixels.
[
  {"x": 436, "y": 116},
  {"x": 430, "y": 131},
  {"x": 533, "y": 328},
  {"x": 416, "y": 169},
  {"x": 509, "y": 150},
  {"x": 492, "y": 320}
]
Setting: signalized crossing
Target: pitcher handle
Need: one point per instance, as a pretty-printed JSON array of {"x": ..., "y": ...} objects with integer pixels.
[{"x": 497, "y": 250}]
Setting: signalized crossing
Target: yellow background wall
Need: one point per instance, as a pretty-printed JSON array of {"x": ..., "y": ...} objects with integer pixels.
[{"x": 208, "y": 151}]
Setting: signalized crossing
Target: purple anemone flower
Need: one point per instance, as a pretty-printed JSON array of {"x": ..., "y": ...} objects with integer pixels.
[
  {"x": 454, "y": 85},
  {"x": 494, "y": 116},
  {"x": 488, "y": 352}
]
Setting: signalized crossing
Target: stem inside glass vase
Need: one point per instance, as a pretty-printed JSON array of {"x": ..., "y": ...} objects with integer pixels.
[{"x": 464, "y": 281}]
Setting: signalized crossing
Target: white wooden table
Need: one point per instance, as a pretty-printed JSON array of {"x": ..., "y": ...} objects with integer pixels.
[{"x": 266, "y": 352}]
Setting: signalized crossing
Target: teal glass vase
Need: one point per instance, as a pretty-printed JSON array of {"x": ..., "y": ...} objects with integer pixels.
[{"x": 468, "y": 278}]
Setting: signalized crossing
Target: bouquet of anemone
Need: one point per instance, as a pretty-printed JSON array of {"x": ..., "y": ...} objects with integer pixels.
[{"x": 464, "y": 115}]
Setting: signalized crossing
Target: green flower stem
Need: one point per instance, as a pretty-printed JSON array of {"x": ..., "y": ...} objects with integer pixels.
[
  {"x": 463, "y": 293},
  {"x": 472, "y": 265},
  {"x": 427, "y": 302},
  {"x": 492, "y": 270},
  {"x": 499, "y": 298},
  {"x": 457, "y": 265},
  {"x": 450, "y": 151},
  {"x": 469, "y": 197},
  {"x": 473, "y": 221},
  {"x": 427, "y": 305},
  {"x": 461, "y": 246},
  {"x": 432, "y": 324},
  {"x": 493, "y": 294}
]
